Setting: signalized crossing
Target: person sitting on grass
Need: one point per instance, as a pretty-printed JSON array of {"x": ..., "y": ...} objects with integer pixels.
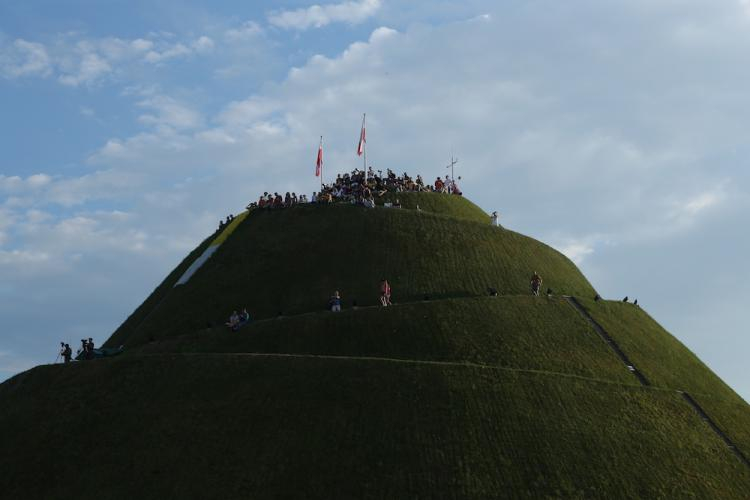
[
  {"x": 335, "y": 302},
  {"x": 234, "y": 321},
  {"x": 454, "y": 187},
  {"x": 244, "y": 317},
  {"x": 536, "y": 284}
]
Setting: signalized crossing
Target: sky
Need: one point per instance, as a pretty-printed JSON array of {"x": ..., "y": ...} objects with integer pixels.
[{"x": 615, "y": 131}]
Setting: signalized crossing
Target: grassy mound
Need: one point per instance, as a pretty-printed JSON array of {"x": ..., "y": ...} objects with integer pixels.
[
  {"x": 461, "y": 396},
  {"x": 292, "y": 260},
  {"x": 233, "y": 426}
]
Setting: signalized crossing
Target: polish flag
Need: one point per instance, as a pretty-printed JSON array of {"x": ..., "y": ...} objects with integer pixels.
[
  {"x": 362, "y": 139},
  {"x": 319, "y": 163}
]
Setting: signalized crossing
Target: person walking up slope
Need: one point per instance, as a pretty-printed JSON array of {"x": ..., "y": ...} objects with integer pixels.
[{"x": 536, "y": 284}]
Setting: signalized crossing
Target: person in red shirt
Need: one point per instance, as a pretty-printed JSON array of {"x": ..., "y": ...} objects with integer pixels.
[{"x": 385, "y": 293}]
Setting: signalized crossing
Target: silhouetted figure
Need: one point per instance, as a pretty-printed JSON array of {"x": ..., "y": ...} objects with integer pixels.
[
  {"x": 90, "y": 349},
  {"x": 597, "y": 298},
  {"x": 625, "y": 299},
  {"x": 635, "y": 302},
  {"x": 67, "y": 353},
  {"x": 492, "y": 291}
]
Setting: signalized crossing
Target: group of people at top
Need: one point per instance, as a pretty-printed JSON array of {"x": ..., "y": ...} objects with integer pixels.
[{"x": 356, "y": 187}]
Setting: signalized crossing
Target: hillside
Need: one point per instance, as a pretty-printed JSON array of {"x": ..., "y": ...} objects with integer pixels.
[
  {"x": 292, "y": 260},
  {"x": 453, "y": 395}
]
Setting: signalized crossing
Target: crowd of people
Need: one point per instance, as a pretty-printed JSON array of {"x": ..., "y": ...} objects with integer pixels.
[{"x": 358, "y": 188}]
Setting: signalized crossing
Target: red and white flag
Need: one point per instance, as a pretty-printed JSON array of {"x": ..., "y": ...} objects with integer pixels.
[
  {"x": 362, "y": 139},
  {"x": 319, "y": 163}
]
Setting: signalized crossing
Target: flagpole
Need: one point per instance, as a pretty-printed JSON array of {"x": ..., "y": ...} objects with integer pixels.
[
  {"x": 364, "y": 146},
  {"x": 321, "y": 166}
]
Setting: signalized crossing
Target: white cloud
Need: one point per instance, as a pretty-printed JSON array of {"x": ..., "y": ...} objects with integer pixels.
[
  {"x": 24, "y": 58},
  {"x": 702, "y": 201},
  {"x": 203, "y": 44},
  {"x": 16, "y": 184},
  {"x": 169, "y": 112},
  {"x": 317, "y": 16},
  {"x": 576, "y": 251},
  {"x": 248, "y": 31},
  {"x": 77, "y": 60},
  {"x": 91, "y": 68},
  {"x": 22, "y": 257},
  {"x": 38, "y": 180},
  {"x": 684, "y": 212},
  {"x": 142, "y": 45}
]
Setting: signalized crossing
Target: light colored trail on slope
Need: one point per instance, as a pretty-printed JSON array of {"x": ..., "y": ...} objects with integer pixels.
[{"x": 457, "y": 364}]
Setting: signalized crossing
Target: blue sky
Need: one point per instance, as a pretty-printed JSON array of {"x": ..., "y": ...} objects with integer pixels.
[{"x": 615, "y": 131}]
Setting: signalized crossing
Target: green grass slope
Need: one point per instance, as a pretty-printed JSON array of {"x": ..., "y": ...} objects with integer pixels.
[
  {"x": 523, "y": 332},
  {"x": 454, "y": 206},
  {"x": 234, "y": 426},
  {"x": 663, "y": 359},
  {"x": 292, "y": 260},
  {"x": 732, "y": 417}
]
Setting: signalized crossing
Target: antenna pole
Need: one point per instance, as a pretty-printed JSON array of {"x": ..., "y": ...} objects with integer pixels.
[{"x": 452, "y": 164}]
